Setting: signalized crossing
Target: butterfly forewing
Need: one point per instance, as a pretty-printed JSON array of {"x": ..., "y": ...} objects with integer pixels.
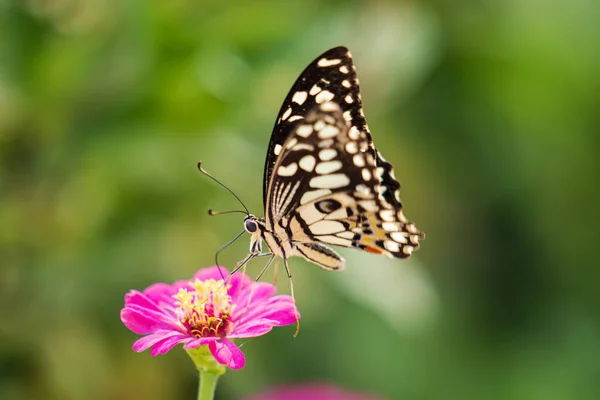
[
  {"x": 324, "y": 180},
  {"x": 332, "y": 73}
]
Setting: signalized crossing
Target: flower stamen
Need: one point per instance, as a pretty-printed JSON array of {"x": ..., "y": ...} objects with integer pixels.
[{"x": 205, "y": 308}]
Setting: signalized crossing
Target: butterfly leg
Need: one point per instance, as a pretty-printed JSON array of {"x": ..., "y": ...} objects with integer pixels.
[
  {"x": 246, "y": 260},
  {"x": 289, "y": 274},
  {"x": 265, "y": 268},
  {"x": 243, "y": 263},
  {"x": 276, "y": 273}
]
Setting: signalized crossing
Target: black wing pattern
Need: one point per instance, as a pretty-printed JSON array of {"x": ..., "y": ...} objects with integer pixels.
[{"x": 324, "y": 180}]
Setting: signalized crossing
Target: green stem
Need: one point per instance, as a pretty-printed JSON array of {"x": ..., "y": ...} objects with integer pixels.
[
  {"x": 209, "y": 369},
  {"x": 207, "y": 385}
]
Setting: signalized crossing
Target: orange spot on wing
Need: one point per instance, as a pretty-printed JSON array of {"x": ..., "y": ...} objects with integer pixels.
[{"x": 373, "y": 250}]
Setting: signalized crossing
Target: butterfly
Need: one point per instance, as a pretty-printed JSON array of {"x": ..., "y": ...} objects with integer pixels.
[{"x": 324, "y": 181}]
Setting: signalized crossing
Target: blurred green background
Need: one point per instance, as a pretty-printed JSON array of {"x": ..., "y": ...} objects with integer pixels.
[{"x": 488, "y": 110}]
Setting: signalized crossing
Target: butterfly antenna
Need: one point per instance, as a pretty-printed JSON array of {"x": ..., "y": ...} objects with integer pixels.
[
  {"x": 223, "y": 248},
  {"x": 222, "y": 184},
  {"x": 212, "y": 213}
]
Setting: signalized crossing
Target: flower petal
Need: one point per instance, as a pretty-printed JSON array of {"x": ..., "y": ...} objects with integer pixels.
[
  {"x": 253, "y": 328},
  {"x": 238, "y": 283},
  {"x": 279, "y": 308},
  {"x": 144, "y": 320},
  {"x": 227, "y": 353},
  {"x": 148, "y": 341},
  {"x": 167, "y": 344},
  {"x": 254, "y": 294},
  {"x": 192, "y": 344},
  {"x": 215, "y": 272},
  {"x": 137, "y": 298},
  {"x": 282, "y": 310},
  {"x": 161, "y": 294}
]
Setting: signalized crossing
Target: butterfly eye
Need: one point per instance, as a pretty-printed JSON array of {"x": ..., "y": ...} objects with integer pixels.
[
  {"x": 328, "y": 206},
  {"x": 250, "y": 226}
]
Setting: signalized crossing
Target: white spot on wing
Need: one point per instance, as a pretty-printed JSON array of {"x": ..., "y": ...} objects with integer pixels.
[
  {"x": 328, "y": 167},
  {"x": 344, "y": 69},
  {"x": 387, "y": 215},
  {"x": 330, "y": 106},
  {"x": 320, "y": 124},
  {"x": 358, "y": 160},
  {"x": 326, "y": 143},
  {"x": 366, "y": 174},
  {"x": 329, "y": 181},
  {"x": 327, "y": 154},
  {"x": 314, "y": 90},
  {"x": 328, "y": 131},
  {"x": 349, "y": 99},
  {"x": 326, "y": 227},
  {"x": 286, "y": 114},
  {"x": 391, "y": 226},
  {"x": 362, "y": 188},
  {"x": 307, "y": 163},
  {"x": 391, "y": 246},
  {"x": 303, "y": 146},
  {"x": 323, "y": 62},
  {"x": 400, "y": 237},
  {"x": 287, "y": 171},
  {"x": 324, "y": 96},
  {"x": 291, "y": 143},
  {"x": 368, "y": 205},
  {"x": 354, "y": 133},
  {"x": 304, "y": 130},
  {"x": 401, "y": 216},
  {"x": 351, "y": 147},
  {"x": 346, "y": 83},
  {"x": 314, "y": 194},
  {"x": 299, "y": 97},
  {"x": 277, "y": 149}
]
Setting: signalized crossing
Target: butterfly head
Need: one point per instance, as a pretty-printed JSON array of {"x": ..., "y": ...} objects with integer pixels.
[
  {"x": 251, "y": 224},
  {"x": 254, "y": 226}
]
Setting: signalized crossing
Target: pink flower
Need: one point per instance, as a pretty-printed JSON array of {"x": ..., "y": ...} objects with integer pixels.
[
  {"x": 205, "y": 311},
  {"x": 320, "y": 391}
]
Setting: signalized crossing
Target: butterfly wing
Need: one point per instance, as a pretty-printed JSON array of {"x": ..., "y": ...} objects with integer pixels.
[
  {"x": 324, "y": 73},
  {"x": 325, "y": 181}
]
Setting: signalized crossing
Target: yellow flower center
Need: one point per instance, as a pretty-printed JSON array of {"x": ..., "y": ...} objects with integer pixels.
[{"x": 205, "y": 308}]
